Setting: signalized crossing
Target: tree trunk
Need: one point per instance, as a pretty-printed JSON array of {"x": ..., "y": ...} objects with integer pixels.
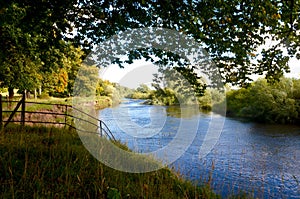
[
  {"x": 10, "y": 93},
  {"x": 35, "y": 94},
  {"x": 10, "y": 96}
]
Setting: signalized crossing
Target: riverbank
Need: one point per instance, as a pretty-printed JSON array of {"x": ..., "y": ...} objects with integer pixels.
[{"x": 39, "y": 162}]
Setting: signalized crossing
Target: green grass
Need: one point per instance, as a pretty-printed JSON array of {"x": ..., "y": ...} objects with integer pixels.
[
  {"x": 52, "y": 100},
  {"x": 40, "y": 162},
  {"x": 35, "y": 107},
  {"x": 5, "y": 92},
  {"x": 99, "y": 101}
]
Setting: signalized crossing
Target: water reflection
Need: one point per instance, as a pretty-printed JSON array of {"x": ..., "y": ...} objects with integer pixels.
[
  {"x": 260, "y": 159},
  {"x": 184, "y": 111}
]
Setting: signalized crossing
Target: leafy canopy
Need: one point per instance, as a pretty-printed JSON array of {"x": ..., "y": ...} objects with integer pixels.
[{"x": 230, "y": 31}]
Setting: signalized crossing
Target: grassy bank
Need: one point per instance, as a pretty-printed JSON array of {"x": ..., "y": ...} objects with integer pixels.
[
  {"x": 100, "y": 102},
  {"x": 39, "y": 162}
]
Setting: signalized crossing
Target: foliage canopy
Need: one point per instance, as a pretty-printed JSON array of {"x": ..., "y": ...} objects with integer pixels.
[{"x": 231, "y": 32}]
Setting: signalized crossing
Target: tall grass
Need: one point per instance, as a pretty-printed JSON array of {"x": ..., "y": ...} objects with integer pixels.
[{"x": 40, "y": 162}]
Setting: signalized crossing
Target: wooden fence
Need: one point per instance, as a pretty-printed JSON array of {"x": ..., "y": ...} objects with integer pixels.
[{"x": 64, "y": 116}]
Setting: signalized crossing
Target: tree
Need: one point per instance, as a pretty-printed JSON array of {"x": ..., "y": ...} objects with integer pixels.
[
  {"x": 105, "y": 88},
  {"x": 141, "y": 92},
  {"x": 59, "y": 77},
  {"x": 230, "y": 31},
  {"x": 265, "y": 102},
  {"x": 179, "y": 84},
  {"x": 85, "y": 84},
  {"x": 143, "y": 88},
  {"x": 29, "y": 59},
  {"x": 31, "y": 44},
  {"x": 19, "y": 67}
]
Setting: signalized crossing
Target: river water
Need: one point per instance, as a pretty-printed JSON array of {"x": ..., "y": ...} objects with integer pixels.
[{"x": 258, "y": 159}]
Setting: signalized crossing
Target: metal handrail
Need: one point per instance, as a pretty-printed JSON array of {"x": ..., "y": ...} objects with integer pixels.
[{"x": 100, "y": 124}]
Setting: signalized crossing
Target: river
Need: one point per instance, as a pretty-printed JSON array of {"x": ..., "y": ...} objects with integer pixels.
[{"x": 262, "y": 160}]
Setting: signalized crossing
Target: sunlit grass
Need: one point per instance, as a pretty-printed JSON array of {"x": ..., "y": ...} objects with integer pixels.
[
  {"x": 40, "y": 162},
  {"x": 52, "y": 100}
]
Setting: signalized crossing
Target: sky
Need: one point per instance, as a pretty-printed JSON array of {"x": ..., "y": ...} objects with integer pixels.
[
  {"x": 131, "y": 76},
  {"x": 141, "y": 72},
  {"x": 295, "y": 68}
]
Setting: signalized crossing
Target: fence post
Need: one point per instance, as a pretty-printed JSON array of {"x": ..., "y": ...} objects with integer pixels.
[
  {"x": 1, "y": 124},
  {"x": 23, "y": 110}
]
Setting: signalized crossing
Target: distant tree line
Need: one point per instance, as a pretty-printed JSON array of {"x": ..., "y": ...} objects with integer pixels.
[
  {"x": 171, "y": 96},
  {"x": 277, "y": 102},
  {"x": 261, "y": 101}
]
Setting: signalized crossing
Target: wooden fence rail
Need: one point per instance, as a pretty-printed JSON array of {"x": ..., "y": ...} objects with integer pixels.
[{"x": 68, "y": 116}]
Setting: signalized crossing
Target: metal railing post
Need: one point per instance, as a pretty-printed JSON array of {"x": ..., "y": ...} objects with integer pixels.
[{"x": 100, "y": 127}]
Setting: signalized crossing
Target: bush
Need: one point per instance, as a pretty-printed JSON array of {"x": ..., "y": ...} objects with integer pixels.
[
  {"x": 265, "y": 102},
  {"x": 103, "y": 102},
  {"x": 44, "y": 96}
]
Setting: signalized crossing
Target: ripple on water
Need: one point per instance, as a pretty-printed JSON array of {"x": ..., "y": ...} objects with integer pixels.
[{"x": 263, "y": 160}]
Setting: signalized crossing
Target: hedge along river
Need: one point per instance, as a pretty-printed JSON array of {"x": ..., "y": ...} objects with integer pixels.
[{"x": 262, "y": 160}]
